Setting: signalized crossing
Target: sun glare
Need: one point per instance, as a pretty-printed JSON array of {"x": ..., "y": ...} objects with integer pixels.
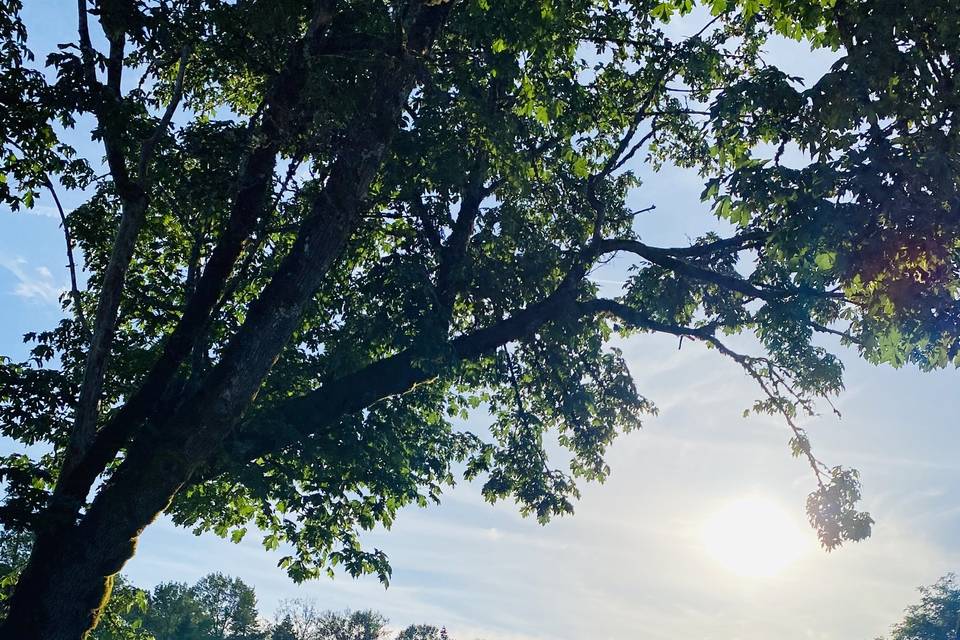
[{"x": 753, "y": 537}]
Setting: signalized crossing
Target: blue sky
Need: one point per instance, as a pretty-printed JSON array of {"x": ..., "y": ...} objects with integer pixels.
[{"x": 631, "y": 563}]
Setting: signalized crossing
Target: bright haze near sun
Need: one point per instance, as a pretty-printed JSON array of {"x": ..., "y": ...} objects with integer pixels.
[{"x": 754, "y": 537}]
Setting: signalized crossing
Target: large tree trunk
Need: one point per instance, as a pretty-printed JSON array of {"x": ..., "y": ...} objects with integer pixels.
[
  {"x": 69, "y": 576},
  {"x": 68, "y": 579}
]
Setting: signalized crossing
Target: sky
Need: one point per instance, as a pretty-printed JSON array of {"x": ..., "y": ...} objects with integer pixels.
[{"x": 640, "y": 557}]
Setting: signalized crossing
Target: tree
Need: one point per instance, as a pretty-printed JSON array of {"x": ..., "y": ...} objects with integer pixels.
[
  {"x": 123, "y": 617},
  {"x": 231, "y": 606},
  {"x": 302, "y": 620},
  {"x": 173, "y": 613},
  {"x": 355, "y": 625},
  {"x": 936, "y": 617},
  {"x": 325, "y": 228},
  {"x": 284, "y": 630},
  {"x": 217, "y": 607},
  {"x": 422, "y": 632}
]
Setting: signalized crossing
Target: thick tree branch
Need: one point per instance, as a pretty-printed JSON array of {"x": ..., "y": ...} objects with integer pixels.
[
  {"x": 279, "y": 115},
  {"x": 739, "y": 242},
  {"x": 163, "y": 457},
  {"x": 665, "y": 258},
  {"x": 299, "y": 418},
  {"x": 87, "y": 52},
  {"x": 639, "y": 320},
  {"x": 133, "y": 200},
  {"x": 453, "y": 256},
  {"x": 770, "y": 377}
]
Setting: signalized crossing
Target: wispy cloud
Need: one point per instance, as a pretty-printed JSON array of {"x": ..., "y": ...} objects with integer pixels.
[
  {"x": 42, "y": 210},
  {"x": 32, "y": 283}
]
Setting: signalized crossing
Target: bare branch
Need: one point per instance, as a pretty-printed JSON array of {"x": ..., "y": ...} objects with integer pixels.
[
  {"x": 71, "y": 265},
  {"x": 666, "y": 259},
  {"x": 770, "y": 377},
  {"x": 816, "y": 326}
]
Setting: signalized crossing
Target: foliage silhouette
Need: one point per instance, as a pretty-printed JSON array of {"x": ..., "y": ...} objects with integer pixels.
[{"x": 324, "y": 230}]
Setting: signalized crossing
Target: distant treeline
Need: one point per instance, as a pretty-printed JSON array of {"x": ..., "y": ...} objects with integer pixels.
[
  {"x": 221, "y": 607},
  {"x": 217, "y": 607}
]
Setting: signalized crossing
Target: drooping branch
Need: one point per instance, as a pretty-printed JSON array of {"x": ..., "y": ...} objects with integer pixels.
[
  {"x": 68, "y": 241},
  {"x": 770, "y": 378}
]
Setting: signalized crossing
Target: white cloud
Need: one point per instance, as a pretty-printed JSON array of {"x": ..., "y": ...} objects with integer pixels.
[
  {"x": 36, "y": 283},
  {"x": 44, "y": 210}
]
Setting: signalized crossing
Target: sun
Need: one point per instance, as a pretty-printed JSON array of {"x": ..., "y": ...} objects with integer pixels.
[{"x": 754, "y": 537}]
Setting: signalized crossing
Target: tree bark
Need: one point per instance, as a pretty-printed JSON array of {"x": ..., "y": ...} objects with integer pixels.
[
  {"x": 281, "y": 105},
  {"x": 69, "y": 576}
]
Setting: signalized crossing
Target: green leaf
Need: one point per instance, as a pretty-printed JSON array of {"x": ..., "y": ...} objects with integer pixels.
[{"x": 825, "y": 260}]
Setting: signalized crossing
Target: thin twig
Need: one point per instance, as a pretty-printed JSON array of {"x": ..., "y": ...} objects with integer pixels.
[
  {"x": 71, "y": 264},
  {"x": 68, "y": 238},
  {"x": 749, "y": 365}
]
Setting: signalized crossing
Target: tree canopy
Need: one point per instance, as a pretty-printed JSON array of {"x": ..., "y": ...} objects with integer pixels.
[
  {"x": 935, "y": 617},
  {"x": 323, "y": 231}
]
